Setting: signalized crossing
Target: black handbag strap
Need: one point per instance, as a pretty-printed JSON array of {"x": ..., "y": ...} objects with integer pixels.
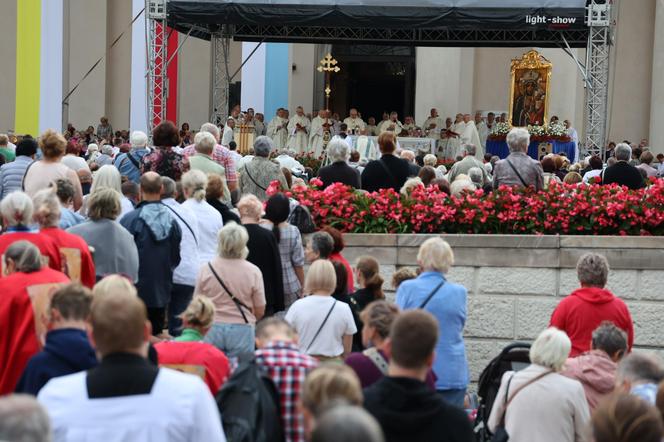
[
  {"x": 133, "y": 161},
  {"x": 517, "y": 172},
  {"x": 185, "y": 222},
  {"x": 433, "y": 292},
  {"x": 246, "y": 169},
  {"x": 25, "y": 174},
  {"x": 239, "y": 304},
  {"x": 329, "y": 312}
]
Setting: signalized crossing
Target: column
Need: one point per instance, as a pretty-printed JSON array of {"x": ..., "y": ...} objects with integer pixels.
[
  {"x": 657, "y": 97},
  {"x": 253, "y": 76},
  {"x": 118, "y": 63},
  {"x": 301, "y": 80}
]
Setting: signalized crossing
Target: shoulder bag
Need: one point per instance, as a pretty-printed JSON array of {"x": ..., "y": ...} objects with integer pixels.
[
  {"x": 239, "y": 304},
  {"x": 501, "y": 433}
]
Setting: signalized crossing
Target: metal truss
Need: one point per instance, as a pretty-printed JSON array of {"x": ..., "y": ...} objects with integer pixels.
[
  {"x": 219, "y": 77},
  {"x": 411, "y": 37},
  {"x": 157, "y": 53},
  {"x": 598, "y": 52}
]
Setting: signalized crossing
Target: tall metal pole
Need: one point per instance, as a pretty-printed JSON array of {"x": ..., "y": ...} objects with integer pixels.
[
  {"x": 157, "y": 54},
  {"x": 220, "y": 77},
  {"x": 598, "y": 19}
]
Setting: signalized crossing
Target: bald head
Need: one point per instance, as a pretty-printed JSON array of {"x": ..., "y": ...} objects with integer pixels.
[
  {"x": 119, "y": 323},
  {"x": 150, "y": 185}
]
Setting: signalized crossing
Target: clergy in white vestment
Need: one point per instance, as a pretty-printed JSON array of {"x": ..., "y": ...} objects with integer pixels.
[
  {"x": 317, "y": 133},
  {"x": 409, "y": 125},
  {"x": 574, "y": 136},
  {"x": 471, "y": 136},
  {"x": 298, "y": 132},
  {"x": 392, "y": 125},
  {"x": 260, "y": 125},
  {"x": 229, "y": 132},
  {"x": 491, "y": 122},
  {"x": 277, "y": 129},
  {"x": 482, "y": 129},
  {"x": 452, "y": 137},
  {"x": 433, "y": 125},
  {"x": 286, "y": 159},
  {"x": 355, "y": 123},
  {"x": 372, "y": 129}
]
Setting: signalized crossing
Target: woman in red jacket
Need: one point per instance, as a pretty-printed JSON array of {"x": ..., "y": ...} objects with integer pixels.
[
  {"x": 26, "y": 291},
  {"x": 74, "y": 251},
  {"x": 587, "y": 307}
]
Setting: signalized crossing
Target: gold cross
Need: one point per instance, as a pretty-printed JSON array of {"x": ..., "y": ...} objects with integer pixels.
[{"x": 328, "y": 64}]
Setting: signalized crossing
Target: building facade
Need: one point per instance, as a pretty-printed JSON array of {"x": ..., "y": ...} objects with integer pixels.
[{"x": 283, "y": 75}]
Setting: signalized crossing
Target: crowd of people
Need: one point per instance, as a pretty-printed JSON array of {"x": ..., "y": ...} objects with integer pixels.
[{"x": 146, "y": 288}]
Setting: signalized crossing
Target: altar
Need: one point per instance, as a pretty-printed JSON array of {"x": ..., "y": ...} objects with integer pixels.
[
  {"x": 414, "y": 144},
  {"x": 536, "y": 149}
]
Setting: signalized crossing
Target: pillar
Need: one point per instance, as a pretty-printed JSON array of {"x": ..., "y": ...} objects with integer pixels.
[{"x": 657, "y": 93}]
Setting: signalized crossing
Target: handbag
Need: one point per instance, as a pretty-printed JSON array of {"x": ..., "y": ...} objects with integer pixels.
[{"x": 500, "y": 435}]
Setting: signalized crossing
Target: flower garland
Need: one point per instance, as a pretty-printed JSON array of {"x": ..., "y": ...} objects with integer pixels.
[
  {"x": 543, "y": 134},
  {"x": 562, "y": 209}
]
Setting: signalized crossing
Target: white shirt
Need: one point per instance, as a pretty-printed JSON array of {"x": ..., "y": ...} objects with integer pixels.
[
  {"x": 592, "y": 174},
  {"x": 307, "y": 314},
  {"x": 289, "y": 162},
  {"x": 185, "y": 273},
  {"x": 236, "y": 157},
  {"x": 348, "y": 140},
  {"x": 209, "y": 224},
  {"x": 228, "y": 136},
  {"x": 74, "y": 163},
  {"x": 179, "y": 408}
]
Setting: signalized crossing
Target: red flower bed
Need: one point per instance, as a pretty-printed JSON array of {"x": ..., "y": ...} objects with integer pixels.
[{"x": 562, "y": 209}]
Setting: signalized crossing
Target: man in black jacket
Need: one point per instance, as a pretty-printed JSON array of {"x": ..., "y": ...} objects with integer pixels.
[
  {"x": 387, "y": 172},
  {"x": 622, "y": 172},
  {"x": 157, "y": 236},
  {"x": 401, "y": 402}
]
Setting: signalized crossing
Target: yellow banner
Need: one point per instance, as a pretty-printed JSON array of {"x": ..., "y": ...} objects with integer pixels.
[{"x": 28, "y": 45}]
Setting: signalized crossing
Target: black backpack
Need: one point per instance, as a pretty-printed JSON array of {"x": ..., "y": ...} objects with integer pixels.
[
  {"x": 249, "y": 405},
  {"x": 301, "y": 218}
]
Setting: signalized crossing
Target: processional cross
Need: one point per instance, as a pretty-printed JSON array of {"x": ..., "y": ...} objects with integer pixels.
[{"x": 328, "y": 65}]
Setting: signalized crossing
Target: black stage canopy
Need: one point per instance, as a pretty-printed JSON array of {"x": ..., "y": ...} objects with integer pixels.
[{"x": 497, "y": 23}]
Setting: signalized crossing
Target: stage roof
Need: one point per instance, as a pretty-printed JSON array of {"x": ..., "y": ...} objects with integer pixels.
[{"x": 544, "y": 23}]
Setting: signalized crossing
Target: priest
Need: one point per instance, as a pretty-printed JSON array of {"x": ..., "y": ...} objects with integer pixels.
[
  {"x": 372, "y": 129},
  {"x": 355, "y": 123},
  {"x": 392, "y": 125},
  {"x": 452, "y": 137},
  {"x": 298, "y": 131},
  {"x": 409, "y": 125},
  {"x": 385, "y": 120},
  {"x": 482, "y": 128},
  {"x": 277, "y": 129},
  {"x": 470, "y": 136},
  {"x": 433, "y": 125},
  {"x": 319, "y": 125}
]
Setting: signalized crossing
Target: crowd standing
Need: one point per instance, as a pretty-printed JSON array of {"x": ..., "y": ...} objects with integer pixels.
[{"x": 147, "y": 287}]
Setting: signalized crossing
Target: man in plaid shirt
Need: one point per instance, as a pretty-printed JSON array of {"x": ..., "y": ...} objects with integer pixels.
[
  {"x": 279, "y": 355},
  {"x": 220, "y": 155}
]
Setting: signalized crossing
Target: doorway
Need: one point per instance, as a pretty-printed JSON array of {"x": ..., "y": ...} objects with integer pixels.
[{"x": 373, "y": 79}]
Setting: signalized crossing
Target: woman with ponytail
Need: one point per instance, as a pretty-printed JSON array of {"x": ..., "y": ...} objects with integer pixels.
[
  {"x": 208, "y": 220},
  {"x": 369, "y": 280},
  {"x": 263, "y": 252},
  {"x": 277, "y": 210}
]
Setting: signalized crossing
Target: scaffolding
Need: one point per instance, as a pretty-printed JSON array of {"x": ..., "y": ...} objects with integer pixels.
[
  {"x": 220, "y": 76},
  {"x": 157, "y": 52},
  {"x": 599, "y": 21}
]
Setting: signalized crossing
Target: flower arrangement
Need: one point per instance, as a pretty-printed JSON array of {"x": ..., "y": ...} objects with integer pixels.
[
  {"x": 500, "y": 132},
  {"x": 558, "y": 132},
  {"x": 308, "y": 159},
  {"x": 561, "y": 209},
  {"x": 543, "y": 134}
]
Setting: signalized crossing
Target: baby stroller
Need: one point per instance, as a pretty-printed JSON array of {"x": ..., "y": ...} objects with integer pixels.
[{"x": 514, "y": 357}]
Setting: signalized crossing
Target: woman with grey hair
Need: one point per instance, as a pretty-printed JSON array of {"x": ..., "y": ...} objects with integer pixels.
[
  {"x": 256, "y": 175},
  {"x": 587, "y": 307},
  {"x": 235, "y": 287},
  {"x": 339, "y": 171},
  {"x": 17, "y": 211},
  {"x": 23, "y": 273},
  {"x": 114, "y": 247},
  {"x": 518, "y": 169},
  {"x": 347, "y": 423},
  {"x": 319, "y": 246},
  {"x": 447, "y": 301},
  {"x": 538, "y": 403}
]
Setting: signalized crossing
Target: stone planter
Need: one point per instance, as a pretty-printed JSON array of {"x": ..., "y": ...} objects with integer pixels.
[{"x": 514, "y": 282}]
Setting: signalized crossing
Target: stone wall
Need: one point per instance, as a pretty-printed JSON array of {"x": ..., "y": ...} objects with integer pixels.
[{"x": 514, "y": 282}]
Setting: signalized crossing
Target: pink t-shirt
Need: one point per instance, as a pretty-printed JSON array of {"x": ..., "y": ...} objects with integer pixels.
[
  {"x": 242, "y": 278},
  {"x": 41, "y": 174}
]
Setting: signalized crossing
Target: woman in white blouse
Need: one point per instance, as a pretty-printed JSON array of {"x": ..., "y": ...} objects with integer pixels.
[
  {"x": 207, "y": 218},
  {"x": 324, "y": 325}
]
